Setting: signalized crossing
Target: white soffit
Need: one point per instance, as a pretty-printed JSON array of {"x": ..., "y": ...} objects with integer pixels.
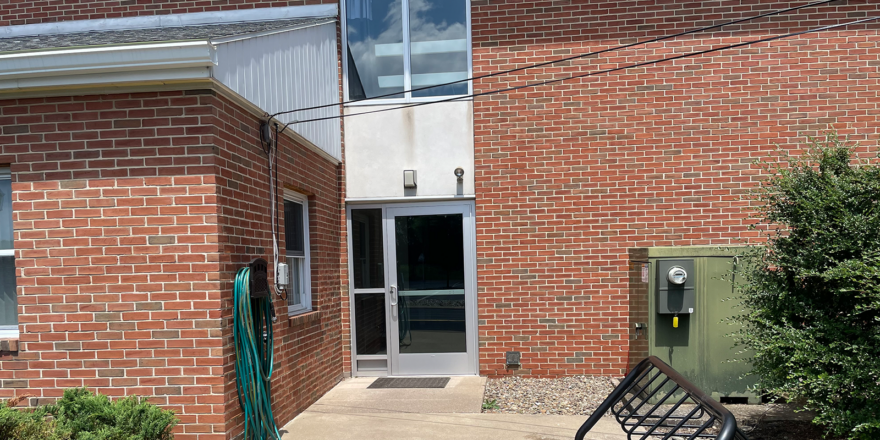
[{"x": 171, "y": 20}]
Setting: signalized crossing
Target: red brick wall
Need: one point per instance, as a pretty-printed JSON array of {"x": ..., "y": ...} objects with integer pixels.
[
  {"x": 124, "y": 253},
  {"x": 572, "y": 176},
  {"x": 17, "y": 12},
  {"x": 308, "y": 348},
  {"x": 115, "y": 221}
]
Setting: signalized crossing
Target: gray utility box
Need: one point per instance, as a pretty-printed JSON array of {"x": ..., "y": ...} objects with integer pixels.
[{"x": 675, "y": 298}]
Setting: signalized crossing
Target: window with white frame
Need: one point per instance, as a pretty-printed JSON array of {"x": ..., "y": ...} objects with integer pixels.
[
  {"x": 8, "y": 301},
  {"x": 398, "y": 45},
  {"x": 296, "y": 238}
]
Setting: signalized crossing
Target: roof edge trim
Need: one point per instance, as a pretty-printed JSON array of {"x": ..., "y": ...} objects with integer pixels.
[
  {"x": 171, "y": 20},
  {"x": 230, "y": 39}
]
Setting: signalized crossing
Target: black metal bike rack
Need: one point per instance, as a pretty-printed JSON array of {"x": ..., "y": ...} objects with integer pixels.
[{"x": 655, "y": 401}]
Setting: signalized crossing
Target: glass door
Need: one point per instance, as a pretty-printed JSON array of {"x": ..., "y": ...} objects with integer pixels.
[
  {"x": 369, "y": 298},
  {"x": 432, "y": 295}
]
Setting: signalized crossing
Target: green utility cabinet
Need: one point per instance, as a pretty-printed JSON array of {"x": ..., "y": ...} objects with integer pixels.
[{"x": 698, "y": 347}]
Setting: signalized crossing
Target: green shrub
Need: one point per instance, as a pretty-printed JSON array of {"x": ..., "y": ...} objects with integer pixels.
[
  {"x": 812, "y": 294},
  {"x": 25, "y": 424},
  {"x": 82, "y": 415}
]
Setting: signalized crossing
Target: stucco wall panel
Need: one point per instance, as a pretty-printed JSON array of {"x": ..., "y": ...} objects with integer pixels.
[{"x": 433, "y": 140}]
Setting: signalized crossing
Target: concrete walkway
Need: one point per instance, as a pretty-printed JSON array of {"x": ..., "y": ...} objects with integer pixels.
[{"x": 351, "y": 411}]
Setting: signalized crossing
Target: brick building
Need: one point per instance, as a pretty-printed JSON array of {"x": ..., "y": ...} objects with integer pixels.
[
  {"x": 133, "y": 175},
  {"x": 574, "y": 175},
  {"x": 509, "y": 222},
  {"x": 573, "y": 183}
]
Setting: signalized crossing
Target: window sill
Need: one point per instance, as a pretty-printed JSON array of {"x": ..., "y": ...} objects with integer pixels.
[
  {"x": 303, "y": 318},
  {"x": 375, "y": 102},
  {"x": 8, "y": 345}
]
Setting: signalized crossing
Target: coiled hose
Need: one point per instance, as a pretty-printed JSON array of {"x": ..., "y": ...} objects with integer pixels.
[{"x": 252, "y": 331}]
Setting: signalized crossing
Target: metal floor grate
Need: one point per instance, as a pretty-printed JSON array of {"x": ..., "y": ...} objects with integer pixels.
[{"x": 410, "y": 382}]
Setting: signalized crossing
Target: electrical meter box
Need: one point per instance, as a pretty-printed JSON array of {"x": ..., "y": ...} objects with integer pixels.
[
  {"x": 685, "y": 296},
  {"x": 675, "y": 286}
]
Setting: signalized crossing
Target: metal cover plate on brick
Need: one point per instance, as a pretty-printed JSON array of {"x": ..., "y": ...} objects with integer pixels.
[{"x": 410, "y": 382}]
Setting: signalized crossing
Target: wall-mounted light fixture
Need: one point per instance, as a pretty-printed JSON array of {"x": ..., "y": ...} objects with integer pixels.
[
  {"x": 459, "y": 173},
  {"x": 409, "y": 178}
]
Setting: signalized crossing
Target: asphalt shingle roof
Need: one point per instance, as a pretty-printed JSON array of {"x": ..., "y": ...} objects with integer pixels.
[{"x": 181, "y": 33}]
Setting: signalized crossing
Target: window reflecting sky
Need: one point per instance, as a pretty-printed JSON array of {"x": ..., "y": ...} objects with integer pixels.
[
  {"x": 5, "y": 214},
  {"x": 445, "y": 23},
  {"x": 370, "y": 23},
  {"x": 438, "y": 36}
]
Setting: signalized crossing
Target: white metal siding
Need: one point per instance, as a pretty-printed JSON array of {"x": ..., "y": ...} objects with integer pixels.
[{"x": 286, "y": 71}]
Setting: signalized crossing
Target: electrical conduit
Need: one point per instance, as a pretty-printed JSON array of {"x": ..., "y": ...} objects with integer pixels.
[{"x": 252, "y": 331}]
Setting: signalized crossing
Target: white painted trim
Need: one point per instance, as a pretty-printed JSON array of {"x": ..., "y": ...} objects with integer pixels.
[
  {"x": 98, "y": 49},
  {"x": 96, "y": 60},
  {"x": 389, "y": 101},
  {"x": 272, "y": 32},
  {"x": 171, "y": 20},
  {"x": 7, "y": 252},
  {"x": 105, "y": 81},
  {"x": 8, "y": 332},
  {"x": 359, "y": 200},
  {"x": 306, "y": 304}
]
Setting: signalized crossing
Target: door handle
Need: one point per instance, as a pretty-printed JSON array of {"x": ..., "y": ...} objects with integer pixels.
[{"x": 393, "y": 295}]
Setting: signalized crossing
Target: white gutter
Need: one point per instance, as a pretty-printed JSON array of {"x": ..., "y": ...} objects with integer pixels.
[
  {"x": 171, "y": 20},
  {"x": 65, "y": 66}
]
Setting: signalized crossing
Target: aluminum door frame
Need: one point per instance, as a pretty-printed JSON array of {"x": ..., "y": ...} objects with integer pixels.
[
  {"x": 429, "y": 364},
  {"x": 353, "y": 292}
]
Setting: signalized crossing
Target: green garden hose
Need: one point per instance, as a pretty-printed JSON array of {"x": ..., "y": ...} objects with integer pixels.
[{"x": 252, "y": 330}]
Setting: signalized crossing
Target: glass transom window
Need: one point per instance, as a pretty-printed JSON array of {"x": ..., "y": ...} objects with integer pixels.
[{"x": 398, "y": 45}]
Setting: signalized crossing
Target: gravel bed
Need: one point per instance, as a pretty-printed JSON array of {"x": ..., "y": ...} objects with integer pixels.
[
  {"x": 581, "y": 395},
  {"x": 574, "y": 395}
]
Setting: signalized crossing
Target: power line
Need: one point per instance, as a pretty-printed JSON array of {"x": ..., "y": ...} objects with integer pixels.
[
  {"x": 561, "y": 60},
  {"x": 600, "y": 72}
]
